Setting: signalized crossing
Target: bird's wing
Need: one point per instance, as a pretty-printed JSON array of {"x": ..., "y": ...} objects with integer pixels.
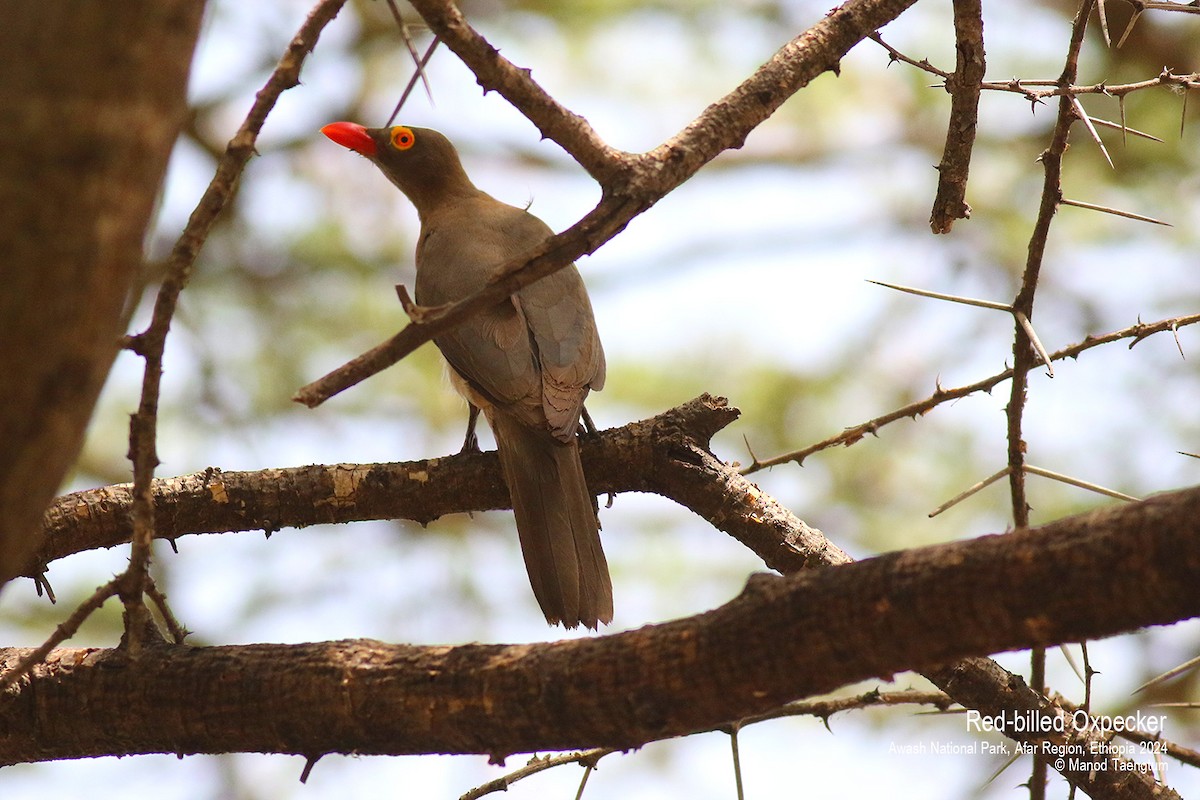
[
  {"x": 534, "y": 355},
  {"x": 559, "y": 316}
]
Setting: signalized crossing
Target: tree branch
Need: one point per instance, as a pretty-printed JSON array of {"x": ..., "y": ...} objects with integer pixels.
[
  {"x": 631, "y": 183},
  {"x": 950, "y": 203},
  {"x": 905, "y": 610},
  {"x": 855, "y": 433},
  {"x": 151, "y": 343},
  {"x": 667, "y": 454}
]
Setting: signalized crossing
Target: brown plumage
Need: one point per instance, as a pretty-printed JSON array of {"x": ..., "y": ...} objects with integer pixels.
[{"x": 528, "y": 363}]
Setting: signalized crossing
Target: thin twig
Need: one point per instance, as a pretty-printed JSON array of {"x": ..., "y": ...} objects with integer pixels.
[
  {"x": 1056, "y": 89},
  {"x": 941, "y": 395},
  {"x": 1039, "y": 89},
  {"x": 416, "y": 57},
  {"x": 1165, "y": 5},
  {"x": 420, "y": 62},
  {"x": 536, "y": 765},
  {"x": 65, "y": 630},
  {"x": 1023, "y": 340},
  {"x": 151, "y": 342},
  {"x": 1089, "y": 674},
  {"x": 1050, "y": 88},
  {"x": 177, "y": 631},
  {"x": 896, "y": 55},
  {"x": 822, "y": 709}
]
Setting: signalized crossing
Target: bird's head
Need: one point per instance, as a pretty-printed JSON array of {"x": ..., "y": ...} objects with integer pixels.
[{"x": 421, "y": 162}]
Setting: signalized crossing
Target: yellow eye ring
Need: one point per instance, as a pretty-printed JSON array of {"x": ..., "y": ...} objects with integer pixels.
[{"x": 403, "y": 138}]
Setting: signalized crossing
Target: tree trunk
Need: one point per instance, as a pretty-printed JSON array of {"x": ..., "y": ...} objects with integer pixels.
[{"x": 93, "y": 96}]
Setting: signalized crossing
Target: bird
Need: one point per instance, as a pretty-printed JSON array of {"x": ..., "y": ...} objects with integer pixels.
[{"x": 528, "y": 362}]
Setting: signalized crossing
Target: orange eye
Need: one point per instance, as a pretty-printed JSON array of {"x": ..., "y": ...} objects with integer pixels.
[{"x": 403, "y": 138}]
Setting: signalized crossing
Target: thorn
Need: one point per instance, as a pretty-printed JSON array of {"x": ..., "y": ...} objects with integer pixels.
[
  {"x": 1183, "y": 115},
  {"x": 1070, "y": 659},
  {"x": 309, "y": 763},
  {"x": 949, "y": 297},
  {"x": 1087, "y": 121},
  {"x": 1171, "y": 673},
  {"x": 1122, "y": 127},
  {"x": 753, "y": 458},
  {"x": 420, "y": 63},
  {"x": 1011, "y": 760},
  {"x": 1027, "y": 326},
  {"x": 1091, "y": 487},
  {"x": 1115, "y": 211},
  {"x": 983, "y": 484},
  {"x": 40, "y": 582},
  {"x": 1129, "y": 28},
  {"x": 737, "y": 762}
]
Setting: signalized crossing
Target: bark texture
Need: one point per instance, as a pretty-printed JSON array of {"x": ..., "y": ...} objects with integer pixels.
[
  {"x": 781, "y": 639},
  {"x": 93, "y": 96}
]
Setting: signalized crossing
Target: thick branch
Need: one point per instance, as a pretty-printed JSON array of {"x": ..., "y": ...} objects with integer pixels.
[
  {"x": 723, "y": 125},
  {"x": 873, "y": 618},
  {"x": 667, "y": 454}
]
